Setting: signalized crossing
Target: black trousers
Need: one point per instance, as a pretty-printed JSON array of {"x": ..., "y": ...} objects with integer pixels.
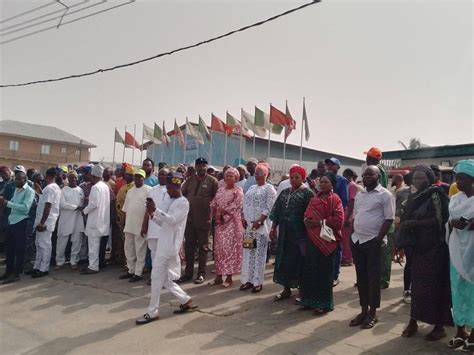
[
  {"x": 15, "y": 247},
  {"x": 407, "y": 270},
  {"x": 103, "y": 247},
  {"x": 195, "y": 238},
  {"x": 366, "y": 258}
]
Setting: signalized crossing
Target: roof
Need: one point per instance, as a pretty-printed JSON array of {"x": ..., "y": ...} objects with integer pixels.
[
  {"x": 36, "y": 131},
  {"x": 443, "y": 151}
]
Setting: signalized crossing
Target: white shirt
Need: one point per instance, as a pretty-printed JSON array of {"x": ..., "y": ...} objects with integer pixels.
[
  {"x": 51, "y": 194},
  {"x": 70, "y": 220},
  {"x": 259, "y": 200},
  {"x": 135, "y": 207},
  {"x": 98, "y": 211},
  {"x": 172, "y": 222},
  {"x": 160, "y": 196},
  {"x": 371, "y": 210}
]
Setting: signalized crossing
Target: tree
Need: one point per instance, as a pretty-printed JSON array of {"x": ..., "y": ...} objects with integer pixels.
[{"x": 415, "y": 143}]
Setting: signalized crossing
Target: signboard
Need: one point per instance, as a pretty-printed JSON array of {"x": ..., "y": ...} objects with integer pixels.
[{"x": 191, "y": 144}]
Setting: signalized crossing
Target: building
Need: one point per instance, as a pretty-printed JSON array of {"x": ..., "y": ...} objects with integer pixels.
[
  {"x": 40, "y": 147},
  {"x": 445, "y": 156},
  {"x": 229, "y": 150}
]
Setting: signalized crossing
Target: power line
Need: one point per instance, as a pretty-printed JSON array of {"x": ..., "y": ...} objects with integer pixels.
[{"x": 198, "y": 44}]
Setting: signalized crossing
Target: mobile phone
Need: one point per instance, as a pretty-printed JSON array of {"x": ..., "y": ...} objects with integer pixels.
[{"x": 463, "y": 219}]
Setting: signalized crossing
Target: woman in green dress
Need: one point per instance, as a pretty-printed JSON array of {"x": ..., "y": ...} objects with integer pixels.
[{"x": 288, "y": 216}]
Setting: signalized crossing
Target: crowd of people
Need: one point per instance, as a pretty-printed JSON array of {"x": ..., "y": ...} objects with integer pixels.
[{"x": 162, "y": 220}]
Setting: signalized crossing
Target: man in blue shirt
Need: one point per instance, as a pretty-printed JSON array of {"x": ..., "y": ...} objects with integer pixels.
[
  {"x": 149, "y": 166},
  {"x": 333, "y": 165},
  {"x": 19, "y": 206}
]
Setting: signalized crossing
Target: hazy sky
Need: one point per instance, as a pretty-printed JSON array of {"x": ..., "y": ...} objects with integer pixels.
[{"x": 373, "y": 72}]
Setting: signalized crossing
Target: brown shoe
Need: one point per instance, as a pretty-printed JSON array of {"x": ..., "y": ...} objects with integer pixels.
[
  {"x": 74, "y": 267},
  {"x": 58, "y": 267}
]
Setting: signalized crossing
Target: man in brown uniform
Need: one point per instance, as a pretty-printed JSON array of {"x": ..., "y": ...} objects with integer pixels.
[{"x": 199, "y": 189}]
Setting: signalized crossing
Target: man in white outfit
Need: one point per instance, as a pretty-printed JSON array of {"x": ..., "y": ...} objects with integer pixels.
[
  {"x": 166, "y": 263},
  {"x": 135, "y": 244},
  {"x": 47, "y": 214},
  {"x": 98, "y": 220},
  {"x": 71, "y": 222},
  {"x": 160, "y": 197}
]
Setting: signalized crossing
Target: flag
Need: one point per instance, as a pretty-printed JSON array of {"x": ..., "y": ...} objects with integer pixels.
[
  {"x": 277, "y": 117},
  {"x": 234, "y": 126},
  {"x": 164, "y": 135},
  {"x": 144, "y": 146},
  {"x": 217, "y": 124},
  {"x": 290, "y": 123},
  {"x": 130, "y": 141},
  {"x": 147, "y": 133},
  {"x": 157, "y": 135},
  {"x": 248, "y": 123},
  {"x": 118, "y": 138},
  {"x": 262, "y": 119},
  {"x": 306, "y": 124},
  {"x": 177, "y": 132},
  {"x": 194, "y": 132},
  {"x": 203, "y": 129}
]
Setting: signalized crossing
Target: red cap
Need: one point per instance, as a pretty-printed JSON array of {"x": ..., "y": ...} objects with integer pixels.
[{"x": 374, "y": 152}]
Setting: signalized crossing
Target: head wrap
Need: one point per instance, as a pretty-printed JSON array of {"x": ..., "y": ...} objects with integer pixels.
[
  {"x": 242, "y": 166},
  {"x": 465, "y": 166},
  {"x": 299, "y": 170},
  {"x": 73, "y": 173},
  {"x": 252, "y": 160},
  {"x": 127, "y": 168},
  {"x": 233, "y": 171},
  {"x": 332, "y": 177},
  {"x": 263, "y": 167},
  {"x": 175, "y": 179},
  {"x": 427, "y": 170}
]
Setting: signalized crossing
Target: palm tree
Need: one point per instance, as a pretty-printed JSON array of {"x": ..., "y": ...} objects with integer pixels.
[{"x": 415, "y": 143}]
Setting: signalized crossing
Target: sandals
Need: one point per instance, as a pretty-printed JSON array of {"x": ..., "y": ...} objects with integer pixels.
[
  {"x": 369, "y": 323},
  {"x": 282, "y": 296},
  {"x": 246, "y": 286},
  {"x": 214, "y": 283},
  {"x": 358, "y": 320},
  {"x": 456, "y": 342},
  {"x": 468, "y": 347},
  {"x": 183, "y": 308},
  {"x": 297, "y": 301},
  {"x": 320, "y": 312},
  {"x": 226, "y": 284},
  {"x": 257, "y": 289},
  {"x": 435, "y": 334}
]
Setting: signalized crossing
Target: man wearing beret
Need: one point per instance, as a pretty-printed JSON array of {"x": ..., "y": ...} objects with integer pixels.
[{"x": 199, "y": 189}]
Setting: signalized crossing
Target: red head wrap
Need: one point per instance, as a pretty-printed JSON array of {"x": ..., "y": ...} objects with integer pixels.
[{"x": 299, "y": 170}]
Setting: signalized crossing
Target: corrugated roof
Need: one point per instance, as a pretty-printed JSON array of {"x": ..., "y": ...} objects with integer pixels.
[{"x": 37, "y": 131}]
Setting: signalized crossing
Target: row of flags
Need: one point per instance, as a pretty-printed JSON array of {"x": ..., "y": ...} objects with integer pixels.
[{"x": 261, "y": 124}]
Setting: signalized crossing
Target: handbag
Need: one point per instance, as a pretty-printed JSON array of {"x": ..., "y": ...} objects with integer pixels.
[
  {"x": 327, "y": 233},
  {"x": 403, "y": 237},
  {"x": 249, "y": 241}
]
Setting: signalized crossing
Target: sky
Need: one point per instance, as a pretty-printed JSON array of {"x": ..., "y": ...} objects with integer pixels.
[{"x": 373, "y": 72}]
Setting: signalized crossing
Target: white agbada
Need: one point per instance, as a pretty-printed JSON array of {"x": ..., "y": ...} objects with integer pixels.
[
  {"x": 135, "y": 207},
  {"x": 98, "y": 211},
  {"x": 166, "y": 263},
  {"x": 160, "y": 197},
  {"x": 461, "y": 242},
  {"x": 51, "y": 194},
  {"x": 70, "y": 219}
]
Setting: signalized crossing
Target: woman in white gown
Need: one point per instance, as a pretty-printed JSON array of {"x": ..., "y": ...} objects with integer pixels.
[{"x": 258, "y": 203}]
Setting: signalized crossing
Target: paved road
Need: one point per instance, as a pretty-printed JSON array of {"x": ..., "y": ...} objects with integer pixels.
[{"x": 68, "y": 313}]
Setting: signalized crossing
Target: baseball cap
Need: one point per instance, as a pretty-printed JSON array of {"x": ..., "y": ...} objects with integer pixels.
[
  {"x": 19, "y": 168},
  {"x": 374, "y": 152},
  {"x": 333, "y": 160},
  {"x": 140, "y": 172},
  {"x": 200, "y": 161}
]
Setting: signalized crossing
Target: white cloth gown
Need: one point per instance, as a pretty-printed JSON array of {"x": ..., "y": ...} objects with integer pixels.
[
  {"x": 98, "y": 220},
  {"x": 71, "y": 223},
  {"x": 258, "y": 201},
  {"x": 166, "y": 263}
]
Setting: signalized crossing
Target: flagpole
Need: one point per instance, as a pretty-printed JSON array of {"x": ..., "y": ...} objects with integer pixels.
[
  {"x": 284, "y": 141},
  {"x": 133, "y": 149},
  {"x": 301, "y": 140},
  {"x": 143, "y": 141},
  {"x": 115, "y": 143},
  {"x": 174, "y": 148},
  {"x": 185, "y": 141},
  {"x": 123, "y": 158},
  {"x": 241, "y": 145},
  {"x": 269, "y": 135},
  {"x": 162, "y": 150},
  {"x": 210, "y": 149}
]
